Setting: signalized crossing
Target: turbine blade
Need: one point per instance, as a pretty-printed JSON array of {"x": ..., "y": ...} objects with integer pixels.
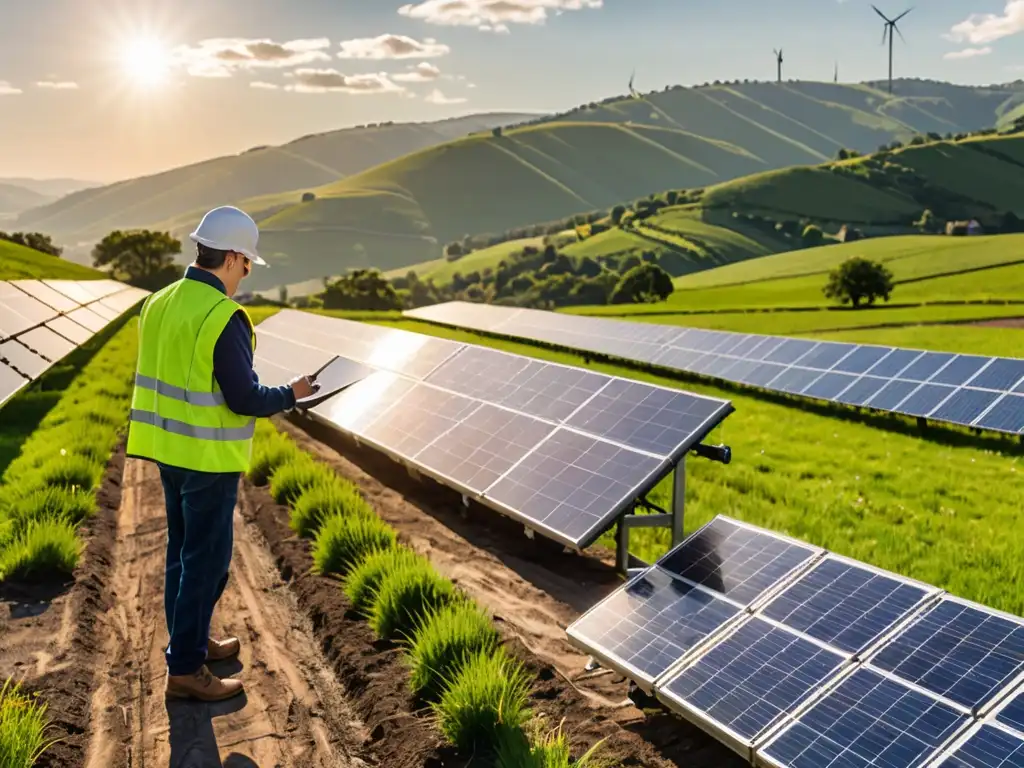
[
  {"x": 899, "y": 33},
  {"x": 881, "y": 14},
  {"x": 885, "y": 31},
  {"x": 902, "y": 15}
]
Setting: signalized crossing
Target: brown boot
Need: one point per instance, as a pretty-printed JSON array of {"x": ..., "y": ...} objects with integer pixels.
[
  {"x": 219, "y": 650},
  {"x": 202, "y": 685}
]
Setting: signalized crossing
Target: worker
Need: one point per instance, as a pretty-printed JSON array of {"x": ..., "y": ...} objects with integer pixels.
[{"x": 193, "y": 413}]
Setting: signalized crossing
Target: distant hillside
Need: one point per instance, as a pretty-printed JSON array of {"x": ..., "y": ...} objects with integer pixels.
[
  {"x": 20, "y": 263},
  {"x": 304, "y": 163},
  {"x": 403, "y": 212},
  {"x": 15, "y": 199},
  {"x": 51, "y": 188}
]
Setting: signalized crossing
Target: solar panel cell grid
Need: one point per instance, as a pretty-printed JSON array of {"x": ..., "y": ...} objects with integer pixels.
[
  {"x": 925, "y": 399},
  {"x": 651, "y": 623},
  {"x": 572, "y": 485},
  {"x": 988, "y": 747},
  {"x": 862, "y": 359},
  {"x": 1001, "y": 375},
  {"x": 88, "y": 318},
  {"x": 483, "y": 447},
  {"x": 18, "y": 356},
  {"x": 846, "y": 604},
  {"x": 361, "y": 404},
  {"x": 70, "y": 330},
  {"x": 47, "y": 343},
  {"x": 960, "y": 370},
  {"x": 44, "y": 293},
  {"x": 861, "y": 390},
  {"x": 749, "y": 680},
  {"x": 421, "y": 415},
  {"x": 73, "y": 290},
  {"x": 1012, "y": 713},
  {"x": 965, "y": 406},
  {"x": 1006, "y": 415},
  {"x": 740, "y": 562},
  {"x": 868, "y": 720},
  {"x": 957, "y": 650},
  {"x": 830, "y": 386}
]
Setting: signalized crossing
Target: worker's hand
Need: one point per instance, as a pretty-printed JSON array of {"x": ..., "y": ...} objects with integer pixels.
[{"x": 303, "y": 387}]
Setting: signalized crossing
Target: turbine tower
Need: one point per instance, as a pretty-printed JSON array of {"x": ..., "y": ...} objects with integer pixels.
[
  {"x": 632, "y": 90},
  {"x": 890, "y": 28},
  {"x": 835, "y": 73},
  {"x": 778, "y": 59}
]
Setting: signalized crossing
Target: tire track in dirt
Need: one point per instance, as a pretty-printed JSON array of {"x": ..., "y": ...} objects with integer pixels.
[{"x": 293, "y": 713}]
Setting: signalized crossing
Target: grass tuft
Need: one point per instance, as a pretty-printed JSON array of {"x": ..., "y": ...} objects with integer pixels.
[
  {"x": 45, "y": 548},
  {"x": 269, "y": 452},
  {"x": 532, "y": 747},
  {"x": 71, "y": 472},
  {"x": 292, "y": 478},
  {"x": 343, "y": 541},
  {"x": 443, "y": 641},
  {"x": 363, "y": 580},
  {"x": 22, "y": 726},
  {"x": 51, "y": 504},
  {"x": 325, "y": 500},
  {"x": 488, "y": 695},
  {"x": 405, "y": 596}
]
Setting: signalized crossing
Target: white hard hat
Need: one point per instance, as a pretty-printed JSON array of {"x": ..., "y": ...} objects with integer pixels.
[{"x": 229, "y": 229}]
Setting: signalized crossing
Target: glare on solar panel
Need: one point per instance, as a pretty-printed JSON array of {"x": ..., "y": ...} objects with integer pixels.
[
  {"x": 748, "y": 681},
  {"x": 70, "y": 330},
  {"x": 865, "y": 720},
  {"x": 11, "y": 382},
  {"x": 962, "y": 651},
  {"x": 88, "y": 318},
  {"x": 44, "y": 293},
  {"x": 362, "y": 403},
  {"x": 737, "y": 560},
  {"x": 847, "y": 604},
  {"x": 649, "y": 624},
  {"x": 72, "y": 289}
]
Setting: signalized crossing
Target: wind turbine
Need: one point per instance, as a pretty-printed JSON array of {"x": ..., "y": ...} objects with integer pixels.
[
  {"x": 632, "y": 91},
  {"x": 835, "y": 74},
  {"x": 890, "y": 27},
  {"x": 778, "y": 59}
]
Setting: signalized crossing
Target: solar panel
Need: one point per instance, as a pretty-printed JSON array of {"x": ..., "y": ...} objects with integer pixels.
[
  {"x": 11, "y": 382},
  {"x": 846, "y": 604},
  {"x": 737, "y": 560},
  {"x": 533, "y": 387},
  {"x": 70, "y": 330},
  {"x": 962, "y": 651},
  {"x": 362, "y": 403},
  {"x": 45, "y": 342},
  {"x": 650, "y": 623},
  {"x": 86, "y": 317},
  {"x": 72, "y": 289},
  {"x": 966, "y": 390},
  {"x": 21, "y": 358},
  {"x": 482, "y": 447},
  {"x": 1012, "y": 713},
  {"x": 987, "y": 746},
  {"x": 748, "y": 681},
  {"x": 99, "y": 308},
  {"x": 654, "y": 419},
  {"x": 572, "y": 486},
  {"x": 867, "y": 719},
  {"x": 293, "y": 356},
  {"x": 44, "y": 293}
]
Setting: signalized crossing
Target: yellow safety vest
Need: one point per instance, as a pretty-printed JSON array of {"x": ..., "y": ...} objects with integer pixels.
[{"x": 179, "y": 416}]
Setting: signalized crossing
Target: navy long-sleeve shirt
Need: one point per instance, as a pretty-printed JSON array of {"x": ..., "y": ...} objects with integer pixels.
[{"x": 232, "y": 364}]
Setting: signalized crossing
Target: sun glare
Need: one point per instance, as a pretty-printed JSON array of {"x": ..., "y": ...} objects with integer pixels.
[{"x": 147, "y": 61}]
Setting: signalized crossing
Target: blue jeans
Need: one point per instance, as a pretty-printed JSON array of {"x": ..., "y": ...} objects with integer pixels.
[{"x": 200, "y": 511}]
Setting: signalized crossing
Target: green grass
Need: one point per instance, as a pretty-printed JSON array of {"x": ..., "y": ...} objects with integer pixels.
[
  {"x": 49, "y": 487},
  {"x": 23, "y": 724},
  {"x": 295, "y": 476},
  {"x": 269, "y": 454},
  {"x": 363, "y": 580},
  {"x": 20, "y": 263},
  {"x": 441, "y": 643},
  {"x": 442, "y": 271},
  {"x": 343, "y": 541},
  {"x": 405, "y": 596},
  {"x": 875, "y": 490},
  {"x": 535, "y": 747},
  {"x": 325, "y": 500}
]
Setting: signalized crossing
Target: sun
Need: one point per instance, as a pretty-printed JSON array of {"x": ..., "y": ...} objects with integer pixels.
[{"x": 147, "y": 62}]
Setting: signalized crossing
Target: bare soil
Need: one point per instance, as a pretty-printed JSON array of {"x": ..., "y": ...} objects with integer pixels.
[{"x": 1002, "y": 322}]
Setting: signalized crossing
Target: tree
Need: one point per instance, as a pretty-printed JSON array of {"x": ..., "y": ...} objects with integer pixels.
[
  {"x": 282, "y": 294},
  {"x": 308, "y": 197},
  {"x": 645, "y": 283},
  {"x": 857, "y": 280},
  {"x": 363, "y": 289},
  {"x": 37, "y": 241},
  {"x": 929, "y": 224},
  {"x": 496, "y": 133},
  {"x": 142, "y": 258},
  {"x": 812, "y": 236}
]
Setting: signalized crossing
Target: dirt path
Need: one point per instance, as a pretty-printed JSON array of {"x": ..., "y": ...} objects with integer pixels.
[{"x": 294, "y": 712}]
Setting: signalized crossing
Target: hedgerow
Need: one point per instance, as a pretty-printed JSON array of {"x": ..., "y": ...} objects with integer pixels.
[{"x": 478, "y": 693}]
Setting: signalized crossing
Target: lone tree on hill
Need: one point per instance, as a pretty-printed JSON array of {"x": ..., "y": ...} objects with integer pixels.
[
  {"x": 37, "y": 241},
  {"x": 364, "y": 289},
  {"x": 644, "y": 283},
  {"x": 141, "y": 258},
  {"x": 857, "y": 280}
]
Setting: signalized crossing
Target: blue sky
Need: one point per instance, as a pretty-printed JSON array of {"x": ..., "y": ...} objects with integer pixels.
[{"x": 145, "y": 85}]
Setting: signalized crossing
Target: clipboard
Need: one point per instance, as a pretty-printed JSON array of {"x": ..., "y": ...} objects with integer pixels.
[{"x": 336, "y": 376}]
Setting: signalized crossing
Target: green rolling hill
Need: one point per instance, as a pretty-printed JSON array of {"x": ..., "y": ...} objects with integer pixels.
[
  {"x": 20, "y": 263},
  {"x": 304, "y": 163}
]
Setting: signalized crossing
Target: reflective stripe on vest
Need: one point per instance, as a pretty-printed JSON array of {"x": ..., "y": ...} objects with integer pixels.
[{"x": 179, "y": 416}]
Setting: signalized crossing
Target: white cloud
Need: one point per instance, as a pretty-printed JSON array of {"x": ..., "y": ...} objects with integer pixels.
[
  {"x": 436, "y": 97},
  {"x": 424, "y": 72},
  {"x": 6, "y": 89},
  {"x": 491, "y": 15},
  {"x": 968, "y": 53},
  {"x": 392, "y": 47},
  {"x": 221, "y": 57},
  {"x": 57, "y": 85},
  {"x": 263, "y": 86},
  {"x": 981, "y": 28},
  {"x": 330, "y": 80}
]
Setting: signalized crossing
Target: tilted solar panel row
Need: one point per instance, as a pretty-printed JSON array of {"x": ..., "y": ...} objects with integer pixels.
[
  {"x": 42, "y": 321},
  {"x": 796, "y": 657},
  {"x": 967, "y": 390},
  {"x": 561, "y": 449}
]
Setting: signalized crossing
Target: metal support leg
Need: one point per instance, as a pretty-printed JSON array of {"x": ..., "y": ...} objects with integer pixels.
[
  {"x": 678, "y": 501},
  {"x": 622, "y": 545}
]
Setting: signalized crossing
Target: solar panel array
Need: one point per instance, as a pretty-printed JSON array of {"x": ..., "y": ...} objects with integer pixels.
[
  {"x": 796, "y": 657},
  {"x": 42, "y": 321},
  {"x": 967, "y": 390},
  {"x": 561, "y": 449}
]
